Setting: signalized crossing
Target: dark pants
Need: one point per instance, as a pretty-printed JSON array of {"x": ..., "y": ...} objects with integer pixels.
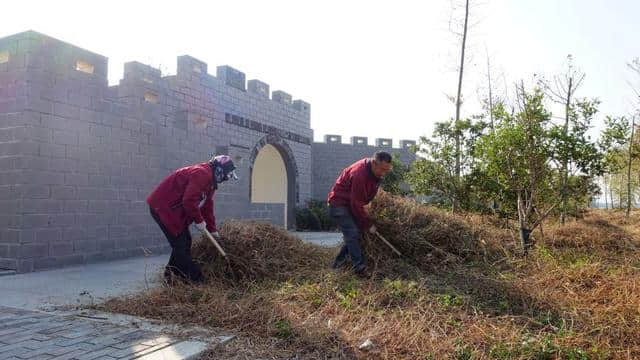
[
  {"x": 180, "y": 263},
  {"x": 351, "y": 235}
]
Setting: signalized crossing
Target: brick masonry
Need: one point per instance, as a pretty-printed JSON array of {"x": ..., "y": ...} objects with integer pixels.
[{"x": 78, "y": 157}]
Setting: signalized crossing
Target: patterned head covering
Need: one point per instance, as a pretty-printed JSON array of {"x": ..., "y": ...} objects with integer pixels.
[{"x": 224, "y": 168}]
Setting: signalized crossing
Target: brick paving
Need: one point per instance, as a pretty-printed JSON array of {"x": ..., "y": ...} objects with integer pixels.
[{"x": 26, "y": 334}]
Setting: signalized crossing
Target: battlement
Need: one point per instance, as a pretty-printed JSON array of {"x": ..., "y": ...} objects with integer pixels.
[
  {"x": 189, "y": 66},
  {"x": 333, "y": 139},
  {"x": 259, "y": 88},
  {"x": 34, "y": 51},
  {"x": 406, "y": 144},
  {"x": 231, "y": 77},
  {"x": 384, "y": 142},
  {"x": 136, "y": 71},
  {"x": 281, "y": 97}
]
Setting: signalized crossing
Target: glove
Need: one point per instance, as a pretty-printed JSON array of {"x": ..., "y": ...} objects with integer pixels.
[
  {"x": 216, "y": 235},
  {"x": 201, "y": 226},
  {"x": 372, "y": 229}
]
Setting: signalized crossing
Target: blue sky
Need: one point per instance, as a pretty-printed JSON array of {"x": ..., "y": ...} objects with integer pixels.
[{"x": 371, "y": 68}]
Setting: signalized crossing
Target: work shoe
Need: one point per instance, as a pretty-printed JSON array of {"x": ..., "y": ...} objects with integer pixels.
[
  {"x": 362, "y": 272},
  {"x": 170, "y": 280},
  {"x": 337, "y": 264}
]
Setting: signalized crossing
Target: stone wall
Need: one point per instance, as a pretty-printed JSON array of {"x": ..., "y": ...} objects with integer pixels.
[{"x": 78, "y": 158}]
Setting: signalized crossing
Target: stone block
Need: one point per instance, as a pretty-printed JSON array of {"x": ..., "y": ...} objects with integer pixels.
[
  {"x": 33, "y": 191},
  {"x": 406, "y": 144},
  {"x": 61, "y": 248},
  {"x": 29, "y": 251},
  {"x": 52, "y": 150},
  {"x": 24, "y": 265},
  {"x": 333, "y": 139},
  {"x": 231, "y": 77},
  {"x": 384, "y": 143},
  {"x": 359, "y": 140},
  {"x": 302, "y": 106},
  {"x": 42, "y": 206},
  {"x": 281, "y": 97},
  {"x": 259, "y": 88}
]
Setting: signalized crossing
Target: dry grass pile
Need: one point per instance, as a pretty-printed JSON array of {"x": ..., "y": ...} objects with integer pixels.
[
  {"x": 592, "y": 232},
  {"x": 427, "y": 237},
  {"x": 576, "y": 296},
  {"x": 257, "y": 252}
]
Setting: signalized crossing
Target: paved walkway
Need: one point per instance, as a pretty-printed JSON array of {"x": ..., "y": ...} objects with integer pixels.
[
  {"x": 80, "y": 285},
  {"x": 27, "y": 334},
  {"x": 327, "y": 239}
]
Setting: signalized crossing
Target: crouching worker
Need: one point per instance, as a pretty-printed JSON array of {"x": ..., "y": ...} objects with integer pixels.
[
  {"x": 356, "y": 186},
  {"x": 185, "y": 197}
]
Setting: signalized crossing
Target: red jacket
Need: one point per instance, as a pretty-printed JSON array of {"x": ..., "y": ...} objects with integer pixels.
[
  {"x": 356, "y": 187},
  {"x": 176, "y": 200}
]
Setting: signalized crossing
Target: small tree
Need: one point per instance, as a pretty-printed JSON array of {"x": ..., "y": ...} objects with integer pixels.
[
  {"x": 562, "y": 90},
  {"x": 574, "y": 153},
  {"x": 435, "y": 172},
  {"x": 518, "y": 155},
  {"x": 615, "y": 144},
  {"x": 395, "y": 181}
]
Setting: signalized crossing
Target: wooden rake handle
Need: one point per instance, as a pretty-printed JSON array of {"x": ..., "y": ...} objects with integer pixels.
[
  {"x": 215, "y": 243},
  {"x": 388, "y": 244}
]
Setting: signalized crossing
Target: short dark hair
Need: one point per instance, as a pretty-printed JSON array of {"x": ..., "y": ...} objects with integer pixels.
[{"x": 382, "y": 156}]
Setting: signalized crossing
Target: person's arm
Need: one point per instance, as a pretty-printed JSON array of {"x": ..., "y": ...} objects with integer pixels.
[
  {"x": 358, "y": 198},
  {"x": 198, "y": 183},
  {"x": 208, "y": 213}
]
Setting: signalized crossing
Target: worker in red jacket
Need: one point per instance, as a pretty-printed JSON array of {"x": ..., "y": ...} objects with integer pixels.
[
  {"x": 356, "y": 186},
  {"x": 185, "y": 197}
]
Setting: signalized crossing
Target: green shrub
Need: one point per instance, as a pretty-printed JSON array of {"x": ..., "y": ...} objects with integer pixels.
[
  {"x": 283, "y": 329},
  {"x": 314, "y": 217}
]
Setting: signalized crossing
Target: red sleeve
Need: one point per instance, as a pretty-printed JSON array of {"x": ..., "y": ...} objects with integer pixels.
[
  {"x": 358, "y": 200},
  {"x": 198, "y": 182},
  {"x": 207, "y": 212}
]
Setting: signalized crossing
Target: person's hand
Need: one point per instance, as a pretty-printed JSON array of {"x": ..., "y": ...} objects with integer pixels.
[
  {"x": 372, "y": 229},
  {"x": 201, "y": 226},
  {"x": 216, "y": 235}
]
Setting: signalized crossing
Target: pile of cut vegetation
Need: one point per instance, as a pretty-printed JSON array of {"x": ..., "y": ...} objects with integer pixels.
[
  {"x": 595, "y": 233},
  {"x": 425, "y": 236},
  {"x": 257, "y": 251}
]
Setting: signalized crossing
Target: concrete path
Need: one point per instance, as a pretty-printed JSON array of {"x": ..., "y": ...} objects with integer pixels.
[
  {"x": 80, "y": 285},
  {"x": 27, "y": 334},
  {"x": 327, "y": 239}
]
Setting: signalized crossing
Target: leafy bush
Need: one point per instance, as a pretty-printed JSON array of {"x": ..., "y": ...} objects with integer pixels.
[{"x": 314, "y": 217}]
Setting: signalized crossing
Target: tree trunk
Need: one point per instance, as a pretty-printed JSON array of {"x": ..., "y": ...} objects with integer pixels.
[
  {"x": 633, "y": 125},
  {"x": 611, "y": 193},
  {"x": 525, "y": 232},
  {"x": 458, "y": 101},
  {"x": 604, "y": 185},
  {"x": 490, "y": 91},
  {"x": 565, "y": 164},
  {"x": 621, "y": 192}
]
